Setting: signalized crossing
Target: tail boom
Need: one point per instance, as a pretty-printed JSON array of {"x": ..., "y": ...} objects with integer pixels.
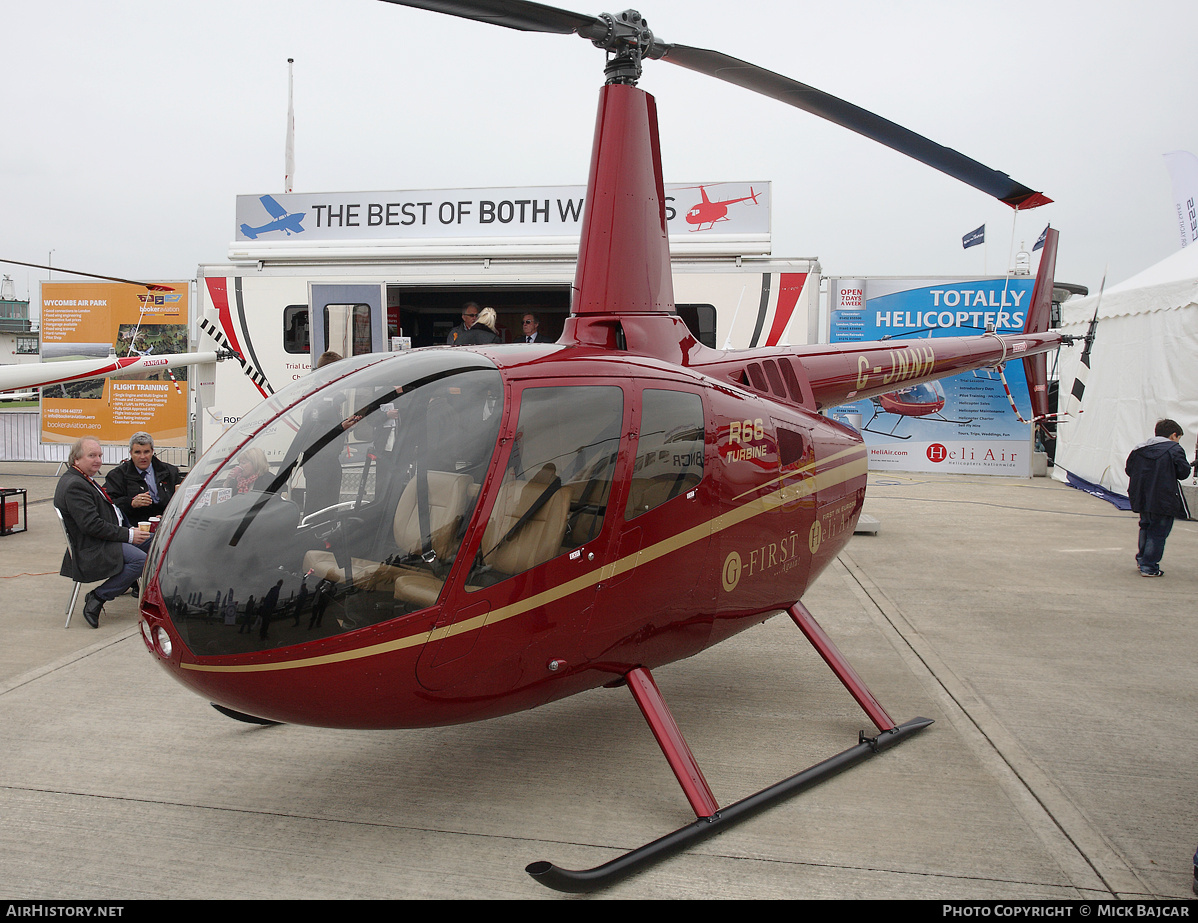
[{"x": 843, "y": 373}]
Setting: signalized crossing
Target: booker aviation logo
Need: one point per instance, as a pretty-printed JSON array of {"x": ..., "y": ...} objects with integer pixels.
[
  {"x": 285, "y": 221},
  {"x": 155, "y": 298},
  {"x": 937, "y": 453}
]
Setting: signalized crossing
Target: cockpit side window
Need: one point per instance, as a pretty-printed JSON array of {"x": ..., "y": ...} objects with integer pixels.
[
  {"x": 555, "y": 488},
  {"x": 669, "y": 454}
]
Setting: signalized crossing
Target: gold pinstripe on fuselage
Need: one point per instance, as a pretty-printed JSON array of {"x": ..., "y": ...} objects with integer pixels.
[{"x": 839, "y": 468}]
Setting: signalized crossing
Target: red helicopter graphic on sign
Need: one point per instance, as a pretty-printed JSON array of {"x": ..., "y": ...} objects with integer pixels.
[
  {"x": 517, "y": 532},
  {"x": 925, "y": 401},
  {"x": 708, "y": 212}
]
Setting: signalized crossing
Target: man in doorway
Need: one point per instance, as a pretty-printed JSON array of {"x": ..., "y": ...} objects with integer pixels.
[
  {"x": 1153, "y": 469},
  {"x": 531, "y": 326},
  {"x": 469, "y": 317},
  {"x": 142, "y": 485}
]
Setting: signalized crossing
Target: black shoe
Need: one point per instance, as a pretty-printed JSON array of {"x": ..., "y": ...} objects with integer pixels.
[
  {"x": 134, "y": 589},
  {"x": 93, "y": 605}
]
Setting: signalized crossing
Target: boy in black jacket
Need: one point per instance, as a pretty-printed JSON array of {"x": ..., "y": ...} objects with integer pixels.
[{"x": 1153, "y": 469}]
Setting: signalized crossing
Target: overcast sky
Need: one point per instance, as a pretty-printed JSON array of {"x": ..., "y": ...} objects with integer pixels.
[{"x": 129, "y": 127}]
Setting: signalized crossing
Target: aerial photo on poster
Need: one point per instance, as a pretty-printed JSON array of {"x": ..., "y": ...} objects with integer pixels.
[{"x": 97, "y": 319}]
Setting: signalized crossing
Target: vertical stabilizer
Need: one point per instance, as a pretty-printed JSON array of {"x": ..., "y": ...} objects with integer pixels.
[{"x": 1039, "y": 316}]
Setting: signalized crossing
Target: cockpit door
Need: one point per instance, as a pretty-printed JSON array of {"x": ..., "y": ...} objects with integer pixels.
[{"x": 534, "y": 562}]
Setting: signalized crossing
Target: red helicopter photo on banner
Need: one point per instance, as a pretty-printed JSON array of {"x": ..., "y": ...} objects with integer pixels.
[{"x": 516, "y": 531}]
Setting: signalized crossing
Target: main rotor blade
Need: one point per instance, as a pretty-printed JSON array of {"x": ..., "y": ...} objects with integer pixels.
[
  {"x": 537, "y": 17},
  {"x": 946, "y": 160},
  {"x": 515, "y": 14},
  {"x": 152, "y": 286}
]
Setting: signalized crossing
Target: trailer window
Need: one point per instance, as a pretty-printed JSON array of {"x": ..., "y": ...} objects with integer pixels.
[
  {"x": 700, "y": 320},
  {"x": 296, "y": 336},
  {"x": 347, "y": 329}
]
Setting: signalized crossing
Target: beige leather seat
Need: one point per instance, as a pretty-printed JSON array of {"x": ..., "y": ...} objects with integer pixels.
[
  {"x": 539, "y": 538},
  {"x": 448, "y": 498},
  {"x": 504, "y": 551}
]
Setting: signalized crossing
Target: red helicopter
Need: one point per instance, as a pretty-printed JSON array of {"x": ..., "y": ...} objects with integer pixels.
[
  {"x": 517, "y": 530},
  {"x": 708, "y": 212}
]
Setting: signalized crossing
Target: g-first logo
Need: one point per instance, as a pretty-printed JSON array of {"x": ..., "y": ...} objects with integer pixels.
[{"x": 732, "y": 571}]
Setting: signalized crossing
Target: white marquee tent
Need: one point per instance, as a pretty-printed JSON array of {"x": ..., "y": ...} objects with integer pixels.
[{"x": 1143, "y": 367}]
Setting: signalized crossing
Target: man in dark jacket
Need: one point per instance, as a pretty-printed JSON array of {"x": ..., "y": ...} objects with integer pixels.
[
  {"x": 142, "y": 485},
  {"x": 457, "y": 335},
  {"x": 105, "y": 546},
  {"x": 1153, "y": 470}
]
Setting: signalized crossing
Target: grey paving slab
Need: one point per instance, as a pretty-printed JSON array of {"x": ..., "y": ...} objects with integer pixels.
[{"x": 1057, "y": 767}]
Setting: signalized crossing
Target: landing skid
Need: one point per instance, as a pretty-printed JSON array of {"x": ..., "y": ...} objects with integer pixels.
[
  {"x": 712, "y": 819},
  {"x": 577, "y": 882}
]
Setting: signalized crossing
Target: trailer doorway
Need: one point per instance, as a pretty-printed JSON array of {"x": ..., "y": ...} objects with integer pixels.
[{"x": 428, "y": 313}]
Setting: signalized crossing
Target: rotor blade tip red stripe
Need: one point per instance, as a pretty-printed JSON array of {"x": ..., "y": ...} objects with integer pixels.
[{"x": 1032, "y": 200}]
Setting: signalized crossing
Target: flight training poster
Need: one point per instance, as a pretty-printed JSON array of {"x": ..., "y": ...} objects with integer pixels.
[
  {"x": 92, "y": 320},
  {"x": 964, "y": 424}
]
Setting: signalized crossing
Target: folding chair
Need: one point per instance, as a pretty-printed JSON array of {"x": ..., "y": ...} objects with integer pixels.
[{"x": 71, "y": 552}]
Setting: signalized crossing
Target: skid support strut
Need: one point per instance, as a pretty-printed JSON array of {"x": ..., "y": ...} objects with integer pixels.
[
  {"x": 711, "y": 818},
  {"x": 841, "y": 667}
]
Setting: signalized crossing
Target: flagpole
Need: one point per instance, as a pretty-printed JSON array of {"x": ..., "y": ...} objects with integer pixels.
[{"x": 289, "y": 148}]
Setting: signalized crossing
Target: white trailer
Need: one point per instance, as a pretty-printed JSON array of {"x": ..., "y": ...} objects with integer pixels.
[{"x": 283, "y": 298}]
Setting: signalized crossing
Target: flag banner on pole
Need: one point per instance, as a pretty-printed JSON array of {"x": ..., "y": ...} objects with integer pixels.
[
  {"x": 1040, "y": 242},
  {"x": 1183, "y": 172},
  {"x": 974, "y": 237}
]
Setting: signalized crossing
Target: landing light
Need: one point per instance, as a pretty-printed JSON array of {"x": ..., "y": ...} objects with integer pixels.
[{"x": 162, "y": 641}]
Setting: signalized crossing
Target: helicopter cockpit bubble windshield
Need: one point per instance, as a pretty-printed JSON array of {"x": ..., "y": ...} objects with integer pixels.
[{"x": 296, "y": 524}]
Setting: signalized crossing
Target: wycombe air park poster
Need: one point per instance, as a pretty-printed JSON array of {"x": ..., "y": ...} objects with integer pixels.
[
  {"x": 90, "y": 320},
  {"x": 964, "y": 424}
]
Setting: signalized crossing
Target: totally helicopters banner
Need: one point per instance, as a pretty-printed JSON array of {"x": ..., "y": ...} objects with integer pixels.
[
  {"x": 963, "y": 424},
  {"x": 83, "y": 320}
]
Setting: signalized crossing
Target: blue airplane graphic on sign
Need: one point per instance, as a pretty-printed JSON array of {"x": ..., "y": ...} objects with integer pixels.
[{"x": 284, "y": 221}]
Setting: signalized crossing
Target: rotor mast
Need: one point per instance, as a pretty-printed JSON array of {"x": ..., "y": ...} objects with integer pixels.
[
  {"x": 624, "y": 253},
  {"x": 626, "y": 38}
]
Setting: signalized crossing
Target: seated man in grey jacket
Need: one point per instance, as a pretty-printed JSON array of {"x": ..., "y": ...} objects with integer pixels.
[
  {"x": 142, "y": 485},
  {"x": 106, "y": 545}
]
